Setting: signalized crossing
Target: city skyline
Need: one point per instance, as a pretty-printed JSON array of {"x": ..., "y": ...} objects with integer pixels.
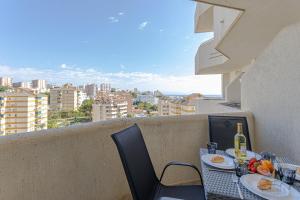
[{"x": 79, "y": 44}]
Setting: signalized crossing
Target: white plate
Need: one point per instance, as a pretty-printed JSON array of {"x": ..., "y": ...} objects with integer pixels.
[
  {"x": 250, "y": 154},
  {"x": 279, "y": 191},
  {"x": 227, "y": 164},
  {"x": 290, "y": 166}
]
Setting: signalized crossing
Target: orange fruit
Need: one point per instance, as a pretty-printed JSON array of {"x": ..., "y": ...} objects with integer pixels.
[
  {"x": 263, "y": 170},
  {"x": 267, "y": 165}
]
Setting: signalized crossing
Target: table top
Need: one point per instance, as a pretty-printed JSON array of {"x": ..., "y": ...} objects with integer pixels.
[{"x": 219, "y": 185}]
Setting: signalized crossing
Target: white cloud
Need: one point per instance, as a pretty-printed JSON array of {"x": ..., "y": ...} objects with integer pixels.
[
  {"x": 143, "y": 25},
  {"x": 122, "y": 66},
  {"x": 206, "y": 84},
  {"x": 113, "y": 19},
  {"x": 64, "y": 66},
  {"x": 121, "y": 13}
]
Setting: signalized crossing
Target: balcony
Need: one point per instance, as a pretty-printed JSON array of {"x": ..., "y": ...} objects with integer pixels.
[
  {"x": 208, "y": 59},
  {"x": 81, "y": 161},
  {"x": 243, "y": 35},
  {"x": 203, "y": 18}
]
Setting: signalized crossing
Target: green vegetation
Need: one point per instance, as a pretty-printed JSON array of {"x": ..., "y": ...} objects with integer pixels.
[
  {"x": 86, "y": 108},
  {"x": 133, "y": 94},
  {"x": 3, "y": 88},
  {"x": 146, "y": 106},
  {"x": 129, "y": 115},
  {"x": 63, "y": 118}
]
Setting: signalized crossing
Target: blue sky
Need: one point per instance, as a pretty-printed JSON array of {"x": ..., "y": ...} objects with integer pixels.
[{"x": 134, "y": 43}]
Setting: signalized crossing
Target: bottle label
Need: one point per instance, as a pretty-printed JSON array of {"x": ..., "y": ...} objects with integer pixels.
[{"x": 243, "y": 148}]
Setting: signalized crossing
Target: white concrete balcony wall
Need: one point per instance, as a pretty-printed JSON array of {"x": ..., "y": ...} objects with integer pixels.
[
  {"x": 233, "y": 89},
  {"x": 203, "y": 18},
  {"x": 224, "y": 19},
  {"x": 81, "y": 162},
  {"x": 207, "y": 57}
]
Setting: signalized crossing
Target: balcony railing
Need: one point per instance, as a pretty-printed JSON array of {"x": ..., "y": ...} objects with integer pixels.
[{"x": 81, "y": 161}]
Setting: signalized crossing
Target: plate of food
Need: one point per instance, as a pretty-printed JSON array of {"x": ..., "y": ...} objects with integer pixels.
[
  {"x": 290, "y": 166},
  {"x": 250, "y": 154},
  {"x": 218, "y": 161},
  {"x": 269, "y": 188},
  {"x": 263, "y": 167}
]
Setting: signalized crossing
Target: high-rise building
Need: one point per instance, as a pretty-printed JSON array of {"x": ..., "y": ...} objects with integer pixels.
[
  {"x": 111, "y": 105},
  {"x": 81, "y": 96},
  {"x": 39, "y": 85},
  {"x": 91, "y": 90},
  {"x": 105, "y": 109},
  {"x": 6, "y": 81},
  {"x": 63, "y": 98},
  {"x": 22, "y": 111},
  {"x": 105, "y": 87},
  {"x": 22, "y": 85}
]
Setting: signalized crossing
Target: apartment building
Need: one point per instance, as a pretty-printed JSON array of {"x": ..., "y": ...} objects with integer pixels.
[
  {"x": 105, "y": 87},
  {"x": 22, "y": 85},
  {"x": 209, "y": 60},
  {"x": 22, "y": 111},
  {"x": 181, "y": 107},
  {"x": 39, "y": 85},
  {"x": 167, "y": 106},
  {"x": 6, "y": 81},
  {"x": 81, "y": 97},
  {"x": 63, "y": 98},
  {"x": 91, "y": 90},
  {"x": 257, "y": 51},
  {"x": 106, "y": 108},
  {"x": 126, "y": 96},
  {"x": 148, "y": 98},
  {"x": 163, "y": 106}
]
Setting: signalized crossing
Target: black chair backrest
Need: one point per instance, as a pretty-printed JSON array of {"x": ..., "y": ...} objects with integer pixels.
[
  {"x": 136, "y": 161},
  {"x": 222, "y": 130}
]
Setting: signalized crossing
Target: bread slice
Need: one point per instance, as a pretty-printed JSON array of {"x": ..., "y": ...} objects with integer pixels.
[
  {"x": 264, "y": 184},
  {"x": 217, "y": 159}
]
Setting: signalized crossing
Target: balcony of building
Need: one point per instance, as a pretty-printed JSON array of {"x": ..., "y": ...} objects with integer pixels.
[
  {"x": 81, "y": 161},
  {"x": 203, "y": 18},
  {"x": 208, "y": 59},
  {"x": 220, "y": 20},
  {"x": 242, "y": 29}
]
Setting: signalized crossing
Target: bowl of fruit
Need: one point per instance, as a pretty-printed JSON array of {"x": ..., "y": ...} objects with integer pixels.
[{"x": 263, "y": 167}]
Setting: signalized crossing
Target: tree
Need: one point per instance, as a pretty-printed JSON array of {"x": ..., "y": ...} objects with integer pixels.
[
  {"x": 133, "y": 94},
  {"x": 53, "y": 123},
  {"x": 3, "y": 88},
  {"x": 86, "y": 107}
]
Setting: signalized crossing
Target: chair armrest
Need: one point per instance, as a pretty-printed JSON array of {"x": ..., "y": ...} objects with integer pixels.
[{"x": 176, "y": 163}]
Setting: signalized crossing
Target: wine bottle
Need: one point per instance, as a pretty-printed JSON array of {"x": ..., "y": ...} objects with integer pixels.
[{"x": 240, "y": 144}]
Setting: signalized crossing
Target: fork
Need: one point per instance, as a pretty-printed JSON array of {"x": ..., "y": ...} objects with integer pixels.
[{"x": 235, "y": 179}]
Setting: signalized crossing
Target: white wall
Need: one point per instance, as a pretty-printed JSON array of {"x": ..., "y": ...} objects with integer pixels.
[
  {"x": 233, "y": 89},
  {"x": 271, "y": 91}
]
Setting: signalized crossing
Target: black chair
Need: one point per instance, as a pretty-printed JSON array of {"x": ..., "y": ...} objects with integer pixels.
[
  {"x": 141, "y": 177},
  {"x": 222, "y": 130}
]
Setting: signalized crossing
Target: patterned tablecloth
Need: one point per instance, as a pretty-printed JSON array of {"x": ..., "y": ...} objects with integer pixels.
[{"x": 219, "y": 185}]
